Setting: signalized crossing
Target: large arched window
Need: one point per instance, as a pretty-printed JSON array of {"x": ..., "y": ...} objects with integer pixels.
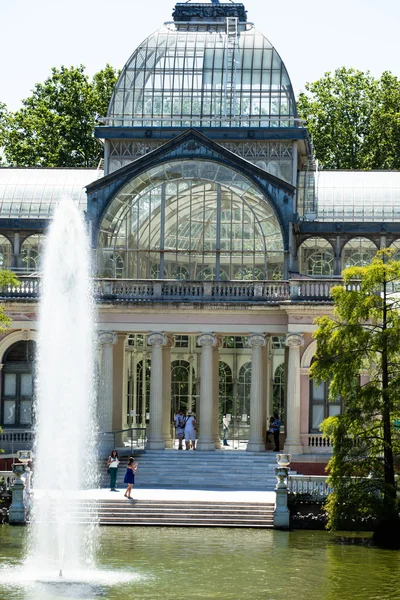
[
  {"x": 225, "y": 389},
  {"x": 358, "y": 252},
  {"x": 193, "y": 220},
  {"x": 17, "y": 385},
  {"x": 316, "y": 257},
  {"x": 245, "y": 390},
  {"x": 180, "y": 385},
  {"x": 278, "y": 392},
  {"x": 32, "y": 252},
  {"x": 6, "y": 252}
]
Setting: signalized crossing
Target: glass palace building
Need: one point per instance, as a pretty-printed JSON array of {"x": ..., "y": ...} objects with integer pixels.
[{"x": 215, "y": 242}]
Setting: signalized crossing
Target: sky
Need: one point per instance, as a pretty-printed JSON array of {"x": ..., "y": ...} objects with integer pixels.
[{"x": 312, "y": 36}]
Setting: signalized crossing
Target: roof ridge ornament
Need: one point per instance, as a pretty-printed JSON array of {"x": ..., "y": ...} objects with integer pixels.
[{"x": 213, "y": 11}]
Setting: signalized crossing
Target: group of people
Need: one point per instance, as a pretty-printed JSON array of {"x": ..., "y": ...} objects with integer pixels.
[
  {"x": 131, "y": 468},
  {"x": 185, "y": 428}
]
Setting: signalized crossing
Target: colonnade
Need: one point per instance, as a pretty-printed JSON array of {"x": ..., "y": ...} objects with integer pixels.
[{"x": 159, "y": 436}]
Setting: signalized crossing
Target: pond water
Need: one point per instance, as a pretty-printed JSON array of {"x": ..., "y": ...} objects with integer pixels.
[{"x": 230, "y": 564}]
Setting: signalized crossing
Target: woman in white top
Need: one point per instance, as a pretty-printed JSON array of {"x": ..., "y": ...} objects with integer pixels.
[
  {"x": 190, "y": 431},
  {"x": 112, "y": 463}
]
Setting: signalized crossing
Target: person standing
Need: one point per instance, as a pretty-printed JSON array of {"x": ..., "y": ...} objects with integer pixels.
[
  {"x": 225, "y": 425},
  {"x": 190, "y": 431},
  {"x": 129, "y": 479},
  {"x": 276, "y": 426},
  {"x": 179, "y": 422},
  {"x": 112, "y": 463}
]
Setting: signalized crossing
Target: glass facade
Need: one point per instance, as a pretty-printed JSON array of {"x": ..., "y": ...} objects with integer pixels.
[
  {"x": 358, "y": 252},
  {"x": 357, "y": 196},
  {"x": 34, "y": 193},
  {"x": 316, "y": 257},
  {"x": 192, "y": 75},
  {"x": 193, "y": 220}
]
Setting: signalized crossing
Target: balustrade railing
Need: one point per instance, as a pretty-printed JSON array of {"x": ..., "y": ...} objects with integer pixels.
[
  {"x": 147, "y": 290},
  {"x": 7, "y": 479},
  {"x": 313, "y": 485},
  {"x": 12, "y": 440}
]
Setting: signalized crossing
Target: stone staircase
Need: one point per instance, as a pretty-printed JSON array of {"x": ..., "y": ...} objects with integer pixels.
[
  {"x": 220, "y": 470},
  {"x": 174, "y": 513}
]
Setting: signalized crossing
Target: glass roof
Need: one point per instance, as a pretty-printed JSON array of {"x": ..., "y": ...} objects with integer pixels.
[
  {"x": 34, "y": 193},
  {"x": 358, "y": 195},
  {"x": 205, "y": 74}
]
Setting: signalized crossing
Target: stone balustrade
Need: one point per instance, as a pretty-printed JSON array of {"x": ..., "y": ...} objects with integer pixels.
[
  {"x": 8, "y": 477},
  {"x": 12, "y": 440},
  {"x": 314, "y": 485},
  {"x": 148, "y": 290}
]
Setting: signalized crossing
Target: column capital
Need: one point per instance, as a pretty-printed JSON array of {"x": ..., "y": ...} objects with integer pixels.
[
  {"x": 209, "y": 339},
  {"x": 256, "y": 339},
  {"x": 160, "y": 339},
  {"x": 294, "y": 340},
  {"x": 107, "y": 338}
]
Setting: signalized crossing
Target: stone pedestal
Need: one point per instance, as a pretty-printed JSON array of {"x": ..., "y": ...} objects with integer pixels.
[
  {"x": 17, "y": 514},
  {"x": 293, "y": 443},
  {"x": 257, "y": 413}
]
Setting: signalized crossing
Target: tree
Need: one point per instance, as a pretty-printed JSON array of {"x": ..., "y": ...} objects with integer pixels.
[
  {"x": 353, "y": 119},
  {"x": 363, "y": 335},
  {"x": 55, "y": 126},
  {"x": 7, "y": 278},
  {"x": 3, "y": 125}
]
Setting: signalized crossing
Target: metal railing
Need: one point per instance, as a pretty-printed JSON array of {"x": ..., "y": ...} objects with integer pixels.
[
  {"x": 133, "y": 438},
  {"x": 148, "y": 290}
]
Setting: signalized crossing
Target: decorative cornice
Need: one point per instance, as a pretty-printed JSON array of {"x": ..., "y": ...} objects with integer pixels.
[
  {"x": 294, "y": 340},
  {"x": 256, "y": 340}
]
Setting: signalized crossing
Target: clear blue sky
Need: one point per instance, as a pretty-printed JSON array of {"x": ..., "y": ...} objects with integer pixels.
[{"x": 312, "y": 36}]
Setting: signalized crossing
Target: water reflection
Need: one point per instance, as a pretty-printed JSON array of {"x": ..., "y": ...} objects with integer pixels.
[{"x": 150, "y": 563}]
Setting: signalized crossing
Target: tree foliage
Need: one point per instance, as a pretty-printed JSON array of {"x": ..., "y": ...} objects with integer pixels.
[
  {"x": 353, "y": 119},
  {"x": 363, "y": 336},
  {"x": 7, "y": 278},
  {"x": 55, "y": 126}
]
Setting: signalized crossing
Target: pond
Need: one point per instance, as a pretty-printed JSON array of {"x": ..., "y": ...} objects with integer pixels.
[{"x": 231, "y": 564}]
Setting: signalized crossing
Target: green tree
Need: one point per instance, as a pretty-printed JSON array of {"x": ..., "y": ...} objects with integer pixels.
[
  {"x": 353, "y": 119},
  {"x": 364, "y": 335},
  {"x": 55, "y": 126},
  {"x": 4, "y": 119}
]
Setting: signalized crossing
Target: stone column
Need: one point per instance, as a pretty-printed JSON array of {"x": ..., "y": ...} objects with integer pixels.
[
  {"x": 256, "y": 440},
  {"x": 120, "y": 419},
  {"x": 166, "y": 400},
  {"x": 215, "y": 425},
  {"x": 208, "y": 342},
  {"x": 293, "y": 444},
  {"x": 106, "y": 339},
  {"x": 155, "y": 439}
]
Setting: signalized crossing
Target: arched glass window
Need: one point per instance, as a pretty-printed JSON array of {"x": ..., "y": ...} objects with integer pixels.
[
  {"x": 395, "y": 246},
  {"x": 245, "y": 390},
  {"x": 278, "y": 392},
  {"x": 17, "y": 385},
  {"x": 320, "y": 406},
  {"x": 316, "y": 257},
  {"x": 180, "y": 385},
  {"x": 225, "y": 389},
  {"x": 143, "y": 389},
  {"x": 32, "y": 252},
  {"x": 6, "y": 252},
  {"x": 195, "y": 219},
  {"x": 358, "y": 252}
]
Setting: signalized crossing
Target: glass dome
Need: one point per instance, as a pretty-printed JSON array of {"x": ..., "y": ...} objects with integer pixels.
[
  {"x": 204, "y": 75},
  {"x": 193, "y": 220}
]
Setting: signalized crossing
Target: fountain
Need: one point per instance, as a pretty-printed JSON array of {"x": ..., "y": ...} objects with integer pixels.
[{"x": 65, "y": 427}]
